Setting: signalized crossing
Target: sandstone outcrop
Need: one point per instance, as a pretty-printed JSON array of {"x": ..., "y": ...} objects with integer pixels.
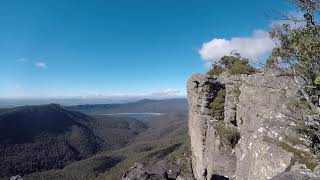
[{"x": 258, "y": 137}]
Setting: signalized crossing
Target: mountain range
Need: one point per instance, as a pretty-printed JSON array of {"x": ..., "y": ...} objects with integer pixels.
[
  {"x": 38, "y": 140},
  {"x": 167, "y": 106}
]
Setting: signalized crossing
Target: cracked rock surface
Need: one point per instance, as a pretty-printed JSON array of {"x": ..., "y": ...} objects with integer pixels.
[{"x": 257, "y": 139}]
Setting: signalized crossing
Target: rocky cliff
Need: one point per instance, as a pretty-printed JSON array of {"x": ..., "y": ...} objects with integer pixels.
[{"x": 260, "y": 134}]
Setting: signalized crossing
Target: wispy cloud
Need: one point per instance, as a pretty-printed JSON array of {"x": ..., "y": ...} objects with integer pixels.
[
  {"x": 42, "y": 65},
  {"x": 166, "y": 92},
  {"x": 22, "y": 60},
  {"x": 249, "y": 47},
  {"x": 151, "y": 94},
  {"x": 89, "y": 97},
  {"x": 37, "y": 64}
]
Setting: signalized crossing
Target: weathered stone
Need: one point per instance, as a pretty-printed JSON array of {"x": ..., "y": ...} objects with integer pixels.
[
  {"x": 232, "y": 85},
  {"x": 208, "y": 158},
  {"x": 257, "y": 111},
  {"x": 294, "y": 176},
  {"x": 262, "y": 111},
  {"x": 162, "y": 170}
]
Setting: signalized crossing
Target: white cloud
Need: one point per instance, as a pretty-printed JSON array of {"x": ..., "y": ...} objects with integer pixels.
[
  {"x": 249, "y": 47},
  {"x": 166, "y": 92},
  {"x": 157, "y": 94},
  {"x": 22, "y": 60},
  {"x": 41, "y": 65}
]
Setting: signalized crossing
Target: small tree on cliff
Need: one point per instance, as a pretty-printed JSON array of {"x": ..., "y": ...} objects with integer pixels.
[
  {"x": 298, "y": 50},
  {"x": 234, "y": 64}
]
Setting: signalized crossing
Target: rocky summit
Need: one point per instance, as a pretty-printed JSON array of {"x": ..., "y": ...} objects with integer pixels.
[{"x": 259, "y": 135}]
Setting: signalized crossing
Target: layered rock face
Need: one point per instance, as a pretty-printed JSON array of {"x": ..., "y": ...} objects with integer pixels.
[{"x": 258, "y": 137}]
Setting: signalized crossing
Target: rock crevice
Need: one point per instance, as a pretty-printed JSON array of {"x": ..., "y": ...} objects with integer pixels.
[{"x": 209, "y": 136}]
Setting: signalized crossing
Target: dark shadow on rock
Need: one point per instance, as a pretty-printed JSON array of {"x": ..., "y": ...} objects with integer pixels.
[{"x": 218, "y": 177}]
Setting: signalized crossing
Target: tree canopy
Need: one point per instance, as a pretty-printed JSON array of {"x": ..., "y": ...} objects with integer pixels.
[
  {"x": 298, "y": 50},
  {"x": 234, "y": 64}
]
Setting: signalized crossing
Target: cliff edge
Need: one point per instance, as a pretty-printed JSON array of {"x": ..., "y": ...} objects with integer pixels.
[{"x": 258, "y": 135}]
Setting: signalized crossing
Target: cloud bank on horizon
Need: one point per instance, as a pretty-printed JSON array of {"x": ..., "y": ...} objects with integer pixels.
[
  {"x": 22, "y": 93},
  {"x": 252, "y": 47}
]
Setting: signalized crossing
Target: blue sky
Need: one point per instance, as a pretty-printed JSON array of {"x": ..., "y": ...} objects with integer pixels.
[{"x": 66, "y": 48}]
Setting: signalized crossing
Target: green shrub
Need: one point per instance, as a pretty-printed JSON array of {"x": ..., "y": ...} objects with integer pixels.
[
  {"x": 299, "y": 105},
  {"x": 235, "y": 65},
  {"x": 272, "y": 59},
  {"x": 217, "y": 105},
  {"x": 229, "y": 136},
  {"x": 216, "y": 70}
]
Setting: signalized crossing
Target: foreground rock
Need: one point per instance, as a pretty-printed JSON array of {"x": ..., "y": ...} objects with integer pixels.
[
  {"x": 294, "y": 176},
  {"x": 160, "y": 171},
  {"x": 17, "y": 177},
  {"x": 258, "y": 137}
]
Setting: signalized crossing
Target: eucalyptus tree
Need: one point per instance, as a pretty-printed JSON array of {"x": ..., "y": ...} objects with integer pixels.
[{"x": 298, "y": 50}]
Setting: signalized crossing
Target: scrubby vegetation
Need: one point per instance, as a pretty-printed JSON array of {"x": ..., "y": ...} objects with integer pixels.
[
  {"x": 298, "y": 53},
  {"x": 235, "y": 65},
  {"x": 229, "y": 136},
  {"x": 299, "y": 105},
  {"x": 182, "y": 152},
  {"x": 217, "y": 105},
  {"x": 216, "y": 70},
  {"x": 306, "y": 129},
  {"x": 298, "y": 50}
]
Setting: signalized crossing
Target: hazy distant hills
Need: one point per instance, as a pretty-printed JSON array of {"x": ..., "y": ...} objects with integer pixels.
[
  {"x": 14, "y": 102},
  {"x": 167, "y": 106},
  {"x": 165, "y": 139},
  {"x": 77, "y": 142},
  {"x": 36, "y": 138}
]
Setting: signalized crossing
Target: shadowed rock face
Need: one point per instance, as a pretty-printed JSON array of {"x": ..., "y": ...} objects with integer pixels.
[{"x": 258, "y": 138}]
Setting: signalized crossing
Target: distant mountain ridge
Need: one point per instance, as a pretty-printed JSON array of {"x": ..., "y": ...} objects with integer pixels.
[{"x": 176, "y": 105}]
